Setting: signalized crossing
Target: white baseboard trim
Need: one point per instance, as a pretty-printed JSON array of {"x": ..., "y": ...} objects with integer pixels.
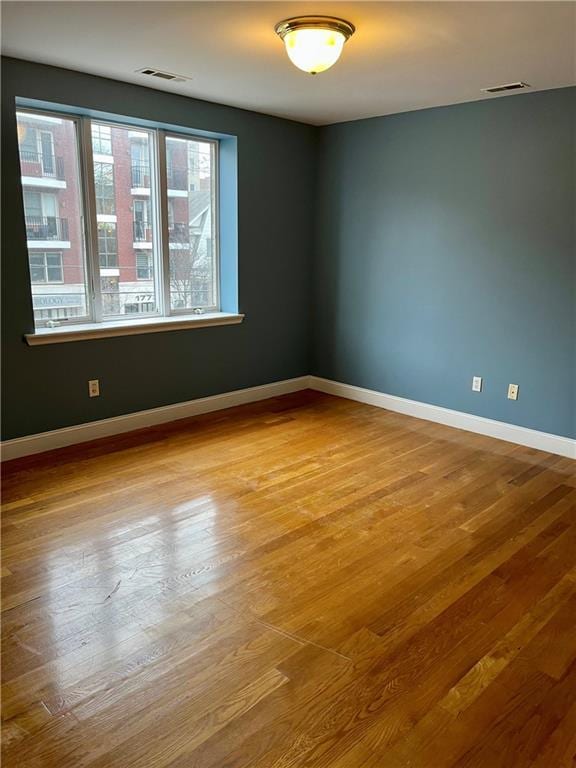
[
  {"x": 81, "y": 433},
  {"x": 532, "y": 438}
]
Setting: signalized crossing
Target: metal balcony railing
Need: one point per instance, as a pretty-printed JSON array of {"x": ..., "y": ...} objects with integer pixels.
[
  {"x": 141, "y": 175},
  {"x": 177, "y": 178},
  {"x": 46, "y": 228},
  {"x": 142, "y": 232},
  {"x": 178, "y": 232},
  {"x": 41, "y": 164}
]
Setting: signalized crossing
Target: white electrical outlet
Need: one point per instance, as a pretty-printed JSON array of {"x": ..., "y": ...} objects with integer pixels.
[
  {"x": 513, "y": 391},
  {"x": 477, "y": 384},
  {"x": 94, "y": 388}
]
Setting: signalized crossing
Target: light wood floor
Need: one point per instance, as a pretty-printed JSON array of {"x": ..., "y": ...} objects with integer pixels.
[{"x": 302, "y": 582}]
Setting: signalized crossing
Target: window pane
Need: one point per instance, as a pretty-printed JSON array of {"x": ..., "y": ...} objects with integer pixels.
[
  {"x": 32, "y": 204},
  {"x": 104, "y": 188},
  {"x": 125, "y": 200},
  {"x": 28, "y": 144},
  {"x": 101, "y": 139},
  {"x": 190, "y": 166},
  {"x": 54, "y": 275},
  {"x": 37, "y": 275},
  {"x": 53, "y": 209},
  {"x": 107, "y": 244},
  {"x": 54, "y": 267},
  {"x": 37, "y": 270},
  {"x": 144, "y": 266}
]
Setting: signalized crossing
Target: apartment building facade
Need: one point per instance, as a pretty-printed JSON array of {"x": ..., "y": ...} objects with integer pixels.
[{"x": 129, "y": 243}]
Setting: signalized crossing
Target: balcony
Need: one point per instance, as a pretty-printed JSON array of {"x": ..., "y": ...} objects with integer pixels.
[
  {"x": 141, "y": 176},
  {"x": 142, "y": 232},
  {"x": 41, "y": 165},
  {"x": 177, "y": 178},
  {"x": 178, "y": 232},
  {"x": 46, "y": 228}
]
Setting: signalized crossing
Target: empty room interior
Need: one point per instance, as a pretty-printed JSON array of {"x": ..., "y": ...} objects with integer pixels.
[{"x": 288, "y": 384}]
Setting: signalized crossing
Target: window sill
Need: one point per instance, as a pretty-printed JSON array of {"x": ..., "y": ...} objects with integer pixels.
[{"x": 109, "y": 329}]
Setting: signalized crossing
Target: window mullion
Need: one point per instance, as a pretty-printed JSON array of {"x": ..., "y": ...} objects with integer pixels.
[
  {"x": 91, "y": 218},
  {"x": 162, "y": 228}
]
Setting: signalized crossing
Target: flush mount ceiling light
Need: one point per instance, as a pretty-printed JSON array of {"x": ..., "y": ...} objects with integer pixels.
[{"x": 314, "y": 43}]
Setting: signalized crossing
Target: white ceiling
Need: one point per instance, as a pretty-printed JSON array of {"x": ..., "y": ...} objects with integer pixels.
[{"x": 404, "y": 55}]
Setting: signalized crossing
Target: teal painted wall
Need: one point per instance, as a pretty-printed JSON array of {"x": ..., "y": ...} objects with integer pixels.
[
  {"x": 46, "y": 387},
  {"x": 446, "y": 249}
]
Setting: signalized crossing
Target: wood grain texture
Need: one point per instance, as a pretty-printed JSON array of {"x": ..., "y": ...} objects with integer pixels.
[{"x": 302, "y": 582}]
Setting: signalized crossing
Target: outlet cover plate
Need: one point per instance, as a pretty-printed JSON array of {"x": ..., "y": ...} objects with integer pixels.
[{"x": 513, "y": 391}]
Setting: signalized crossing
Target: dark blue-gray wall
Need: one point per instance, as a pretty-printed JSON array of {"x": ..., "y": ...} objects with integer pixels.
[
  {"x": 46, "y": 387},
  {"x": 416, "y": 250},
  {"x": 446, "y": 249}
]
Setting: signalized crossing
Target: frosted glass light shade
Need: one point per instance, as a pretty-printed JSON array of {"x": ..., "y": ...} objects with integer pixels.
[
  {"x": 314, "y": 43},
  {"x": 314, "y": 50}
]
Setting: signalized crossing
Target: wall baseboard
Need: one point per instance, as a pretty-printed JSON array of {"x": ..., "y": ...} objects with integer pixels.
[
  {"x": 543, "y": 441},
  {"x": 81, "y": 433}
]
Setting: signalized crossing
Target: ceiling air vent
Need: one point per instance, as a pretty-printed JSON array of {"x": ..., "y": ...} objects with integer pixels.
[
  {"x": 162, "y": 75},
  {"x": 503, "y": 88}
]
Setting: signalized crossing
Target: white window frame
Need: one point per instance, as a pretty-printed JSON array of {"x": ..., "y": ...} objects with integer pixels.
[{"x": 159, "y": 221}]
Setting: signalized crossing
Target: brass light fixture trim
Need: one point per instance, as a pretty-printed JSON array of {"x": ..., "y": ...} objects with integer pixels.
[{"x": 314, "y": 22}]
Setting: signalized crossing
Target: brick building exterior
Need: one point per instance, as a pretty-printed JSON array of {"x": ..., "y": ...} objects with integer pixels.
[{"x": 125, "y": 202}]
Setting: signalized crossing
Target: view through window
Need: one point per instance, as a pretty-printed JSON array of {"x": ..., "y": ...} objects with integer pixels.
[
  {"x": 190, "y": 222},
  {"x": 51, "y": 188},
  {"x": 128, "y": 263}
]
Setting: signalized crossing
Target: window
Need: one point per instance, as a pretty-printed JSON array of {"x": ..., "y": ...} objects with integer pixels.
[
  {"x": 101, "y": 139},
  {"x": 192, "y": 236},
  {"x": 47, "y": 152},
  {"x": 28, "y": 137},
  {"x": 142, "y": 219},
  {"x": 140, "y": 161},
  {"x": 144, "y": 267},
  {"x": 104, "y": 188},
  {"x": 46, "y": 267},
  {"x": 37, "y": 151},
  {"x": 53, "y": 217},
  {"x": 118, "y": 210},
  {"x": 107, "y": 245},
  {"x": 42, "y": 220},
  {"x": 40, "y": 204},
  {"x": 133, "y": 228}
]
